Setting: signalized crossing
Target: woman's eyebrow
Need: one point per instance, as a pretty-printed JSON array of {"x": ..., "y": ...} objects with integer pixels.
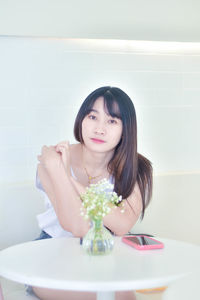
[{"x": 94, "y": 110}]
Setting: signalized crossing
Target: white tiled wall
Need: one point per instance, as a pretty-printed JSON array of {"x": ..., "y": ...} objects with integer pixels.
[{"x": 43, "y": 82}]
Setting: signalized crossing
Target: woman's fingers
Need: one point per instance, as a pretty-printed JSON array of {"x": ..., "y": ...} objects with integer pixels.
[
  {"x": 61, "y": 149},
  {"x": 52, "y": 154},
  {"x": 62, "y": 144},
  {"x": 64, "y": 152}
]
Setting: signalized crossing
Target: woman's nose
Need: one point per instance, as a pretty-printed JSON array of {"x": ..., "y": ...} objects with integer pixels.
[{"x": 100, "y": 129}]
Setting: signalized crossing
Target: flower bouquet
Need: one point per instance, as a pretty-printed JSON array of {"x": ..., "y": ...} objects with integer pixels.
[{"x": 97, "y": 202}]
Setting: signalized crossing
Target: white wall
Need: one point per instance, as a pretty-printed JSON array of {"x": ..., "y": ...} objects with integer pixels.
[
  {"x": 158, "y": 20},
  {"x": 174, "y": 209},
  {"x": 43, "y": 82}
]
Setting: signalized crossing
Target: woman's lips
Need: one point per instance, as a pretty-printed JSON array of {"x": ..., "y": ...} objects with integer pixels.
[{"x": 97, "y": 141}]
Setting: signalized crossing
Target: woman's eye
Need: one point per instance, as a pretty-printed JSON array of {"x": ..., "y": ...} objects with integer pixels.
[
  {"x": 92, "y": 117},
  {"x": 112, "y": 121}
]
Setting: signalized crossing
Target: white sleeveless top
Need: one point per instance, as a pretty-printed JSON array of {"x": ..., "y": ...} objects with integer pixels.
[{"x": 48, "y": 220}]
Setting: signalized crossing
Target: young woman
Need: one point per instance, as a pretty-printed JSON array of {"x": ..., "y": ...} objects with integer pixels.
[{"x": 106, "y": 131}]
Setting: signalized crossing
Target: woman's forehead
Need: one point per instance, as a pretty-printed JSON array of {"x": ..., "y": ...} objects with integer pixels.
[
  {"x": 109, "y": 106},
  {"x": 99, "y": 102}
]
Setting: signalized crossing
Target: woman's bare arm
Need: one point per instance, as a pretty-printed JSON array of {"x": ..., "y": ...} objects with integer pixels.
[
  {"x": 121, "y": 223},
  {"x": 118, "y": 222},
  {"x": 46, "y": 184},
  {"x": 61, "y": 191}
]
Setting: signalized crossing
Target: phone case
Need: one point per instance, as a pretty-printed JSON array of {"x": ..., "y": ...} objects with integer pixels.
[{"x": 142, "y": 247}]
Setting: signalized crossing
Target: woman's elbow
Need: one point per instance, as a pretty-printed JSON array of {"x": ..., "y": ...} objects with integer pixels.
[
  {"x": 124, "y": 229},
  {"x": 80, "y": 232},
  {"x": 121, "y": 232},
  {"x": 77, "y": 231}
]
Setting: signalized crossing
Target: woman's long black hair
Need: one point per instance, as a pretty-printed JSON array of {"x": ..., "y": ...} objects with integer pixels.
[{"x": 127, "y": 166}]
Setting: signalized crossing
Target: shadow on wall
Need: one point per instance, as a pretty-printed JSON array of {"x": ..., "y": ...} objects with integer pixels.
[{"x": 173, "y": 212}]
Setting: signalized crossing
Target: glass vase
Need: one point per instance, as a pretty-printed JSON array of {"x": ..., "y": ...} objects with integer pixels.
[{"x": 98, "y": 240}]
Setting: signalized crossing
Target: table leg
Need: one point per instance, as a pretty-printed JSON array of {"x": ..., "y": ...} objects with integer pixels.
[{"x": 105, "y": 295}]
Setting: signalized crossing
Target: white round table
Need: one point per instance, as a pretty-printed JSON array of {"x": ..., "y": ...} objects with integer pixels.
[{"x": 63, "y": 264}]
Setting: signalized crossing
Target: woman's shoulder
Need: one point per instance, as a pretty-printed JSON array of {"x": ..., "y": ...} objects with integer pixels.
[{"x": 75, "y": 148}]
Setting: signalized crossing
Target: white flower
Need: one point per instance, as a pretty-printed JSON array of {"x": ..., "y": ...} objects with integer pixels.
[{"x": 98, "y": 200}]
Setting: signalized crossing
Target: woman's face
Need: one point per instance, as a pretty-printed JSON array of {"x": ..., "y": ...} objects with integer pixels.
[{"x": 100, "y": 131}]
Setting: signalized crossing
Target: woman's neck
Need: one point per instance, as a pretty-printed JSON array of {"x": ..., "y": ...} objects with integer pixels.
[{"x": 95, "y": 162}]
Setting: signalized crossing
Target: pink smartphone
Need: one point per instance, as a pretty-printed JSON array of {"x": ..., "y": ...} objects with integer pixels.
[{"x": 142, "y": 242}]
